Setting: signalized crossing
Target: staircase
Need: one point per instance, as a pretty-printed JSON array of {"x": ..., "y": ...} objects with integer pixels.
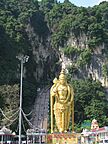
[{"x": 40, "y": 110}]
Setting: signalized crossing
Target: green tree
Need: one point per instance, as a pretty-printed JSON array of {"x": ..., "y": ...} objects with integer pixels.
[
  {"x": 9, "y": 94},
  {"x": 66, "y": 1},
  {"x": 90, "y": 101}
]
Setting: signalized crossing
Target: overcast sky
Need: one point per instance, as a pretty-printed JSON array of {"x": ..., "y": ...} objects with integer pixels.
[{"x": 85, "y": 3}]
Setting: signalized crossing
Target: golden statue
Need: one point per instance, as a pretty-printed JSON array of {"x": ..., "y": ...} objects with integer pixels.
[{"x": 62, "y": 103}]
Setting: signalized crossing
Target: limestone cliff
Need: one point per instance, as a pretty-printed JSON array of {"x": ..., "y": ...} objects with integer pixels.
[
  {"x": 43, "y": 58},
  {"x": 94, "y": 68}
]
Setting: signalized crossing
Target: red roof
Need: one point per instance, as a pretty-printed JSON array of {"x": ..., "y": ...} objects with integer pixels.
[{"x": 100, "y": 129}]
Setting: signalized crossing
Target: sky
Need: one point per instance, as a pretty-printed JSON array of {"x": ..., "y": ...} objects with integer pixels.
[{"x": 85, "y": 3}]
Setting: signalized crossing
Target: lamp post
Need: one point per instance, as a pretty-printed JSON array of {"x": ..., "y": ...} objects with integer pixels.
[{"x": 23, "y": 59}]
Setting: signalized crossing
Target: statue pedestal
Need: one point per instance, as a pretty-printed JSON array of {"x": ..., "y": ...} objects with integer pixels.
[{"x": 62, "y": 138}]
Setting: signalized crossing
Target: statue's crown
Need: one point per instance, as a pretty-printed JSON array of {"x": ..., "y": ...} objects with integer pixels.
[{"x": 62, "y": 74}]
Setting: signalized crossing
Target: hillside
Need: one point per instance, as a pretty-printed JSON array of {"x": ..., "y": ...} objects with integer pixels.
[{"x": 55, "y": 34}]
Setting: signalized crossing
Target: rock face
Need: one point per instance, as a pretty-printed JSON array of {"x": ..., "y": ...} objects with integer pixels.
[
  {"x": 80, "y": 41},
  {"x": 94, "y": 68},
  {"x": 43, "y": 56}
]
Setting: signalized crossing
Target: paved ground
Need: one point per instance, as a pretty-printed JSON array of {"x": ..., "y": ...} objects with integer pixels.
[{"x": 40, "y": 111}]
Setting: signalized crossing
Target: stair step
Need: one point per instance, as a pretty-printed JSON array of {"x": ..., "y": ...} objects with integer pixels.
[{"x": 41, "y": 108}]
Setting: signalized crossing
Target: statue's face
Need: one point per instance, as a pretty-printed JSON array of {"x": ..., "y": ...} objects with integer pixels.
[{"x": 62, "y": 81}]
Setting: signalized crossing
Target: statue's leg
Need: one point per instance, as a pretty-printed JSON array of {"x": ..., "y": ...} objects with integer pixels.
[
  {"x": 69, "y": 113},
  {"x": 73, "y": 116},
  {"x": 58, "y": 118},
  {"x": 63, "y": 122},
  {"x": 67, "y": 118}
]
